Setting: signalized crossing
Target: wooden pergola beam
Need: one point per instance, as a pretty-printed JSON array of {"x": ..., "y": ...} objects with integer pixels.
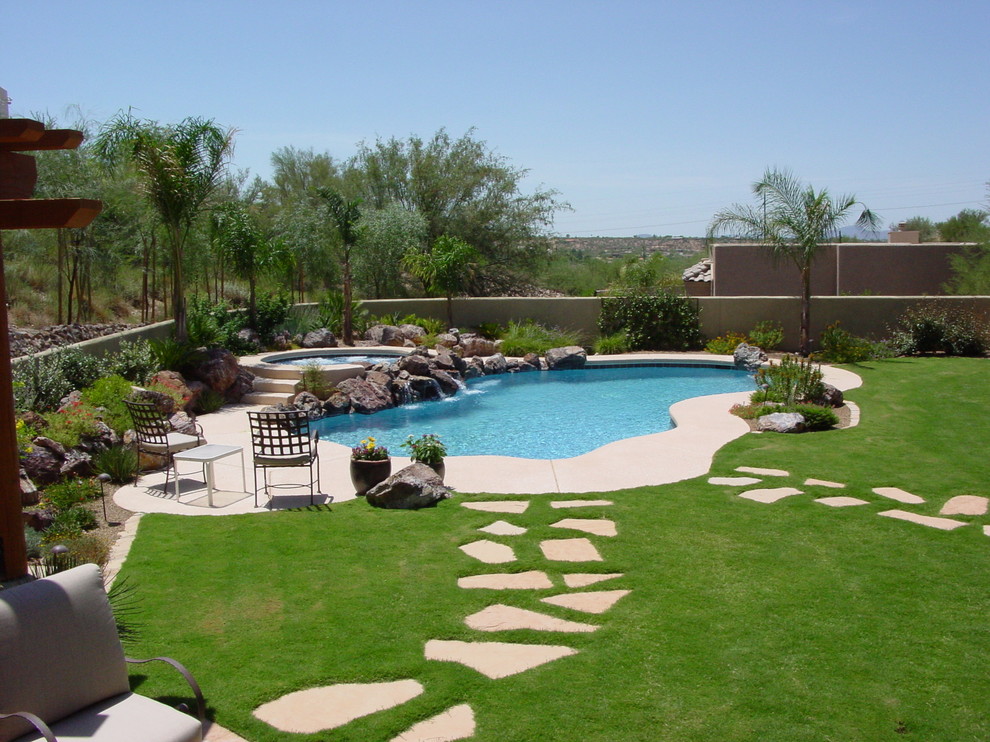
[
  {"x": 49, "y": 140},
  {"x": 48, "y": 213}
]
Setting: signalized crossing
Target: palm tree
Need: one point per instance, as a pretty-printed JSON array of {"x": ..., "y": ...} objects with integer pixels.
[
  {"x": 446, "y": 268},
  {"x": 345, "y": 216},
  {"x": 179, "y": 166},
  {"x": 793, "y": 221}
]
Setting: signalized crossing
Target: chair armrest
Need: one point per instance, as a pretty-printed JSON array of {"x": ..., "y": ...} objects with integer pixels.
[
  {"x": 36, "y": 722},
  {"x": 200, "y": 703}
]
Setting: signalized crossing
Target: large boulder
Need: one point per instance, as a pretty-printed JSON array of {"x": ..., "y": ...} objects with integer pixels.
[
  {"x": 781, "y": 422},
  {"x": 43, "y": 463},
  {"x": 475, "y": 345},
  {"x": 448, "y": 384},
  {"x": 416, "y": 486},
  {"x": 336, "y": 404},
  {"x": 748, "y": 357},
  {"x": 321, "y": 338},
  {"x": 415, "y": 364},
  {"x": 218, "y": 370},
  {"x": 243, "y": 384},
  {"x": 446, "y": 340},
  {"x": 495, "y": 364},
  {"x": 310, "y": 404},
  {"x": 177, "y": 382},
  {"x": 366, "y": 398},
  {"x": 411, "y": 332},
  {"x": 571, "y": 356},
  {"x": 830, "y": 397},
  {"x": 385, "y": 335},
  {"x": 425, "y": 387}
]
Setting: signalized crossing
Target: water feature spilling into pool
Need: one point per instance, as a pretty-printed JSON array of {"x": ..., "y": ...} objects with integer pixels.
[{"x": 543, "y": 415}]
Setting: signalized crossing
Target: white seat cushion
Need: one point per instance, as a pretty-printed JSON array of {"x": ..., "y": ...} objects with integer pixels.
[{"x": 176, "y": 442}]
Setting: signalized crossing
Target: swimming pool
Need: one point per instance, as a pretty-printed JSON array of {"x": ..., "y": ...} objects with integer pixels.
[
  {"x": 543, "y": 415},
  {"x": 326, "y": 359}
]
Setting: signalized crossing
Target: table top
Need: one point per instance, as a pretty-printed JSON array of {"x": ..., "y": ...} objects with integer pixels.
[{"x": 208, "y": 452}]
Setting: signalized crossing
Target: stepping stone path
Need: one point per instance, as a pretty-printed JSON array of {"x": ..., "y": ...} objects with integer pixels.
[
  {"x": 512, "y": 581},
  {"x": 507, "y": 618},
  {"x": 763, "y": 472},
  {"x": 489, "y": 552},
  {"x": 455, "y": 723},
  {"x": 498, "y": 506},
  {"x": 600, "y": 527},
  {"x": 579, "y": 503},
  {"x": 585, "y": 579},
  {"x": 900, "y": 495},
  {"x": 495, "y": 659},
  {"x": 823, "y": 483},
  {"x": 591, "y": 602},
  {"x": 734, "y": 481},
  {"x": 965, "y": 505},
  {"x": 332, "y": 706},
  {"x": 570, "y": 550},
  {"x": 501, "y": 528},
  {"x": 841, "y": 502},
  {"x": 770, "y": 495},
  {"x": 943, "y": 524}
]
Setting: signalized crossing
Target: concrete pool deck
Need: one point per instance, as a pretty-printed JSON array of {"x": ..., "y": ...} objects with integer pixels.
[{"x": 703, "y": 426}]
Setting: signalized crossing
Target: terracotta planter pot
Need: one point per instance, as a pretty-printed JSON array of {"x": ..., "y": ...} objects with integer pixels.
[{"x": 366, "y": 474}]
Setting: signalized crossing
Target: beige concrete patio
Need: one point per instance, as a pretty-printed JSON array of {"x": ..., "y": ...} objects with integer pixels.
[{"x": 703, "y": 426}]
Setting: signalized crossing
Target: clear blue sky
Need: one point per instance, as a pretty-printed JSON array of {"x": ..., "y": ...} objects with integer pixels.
[{"x": 646, "y": 116}]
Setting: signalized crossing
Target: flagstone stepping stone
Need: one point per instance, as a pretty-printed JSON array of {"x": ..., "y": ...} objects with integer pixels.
[
  {"x": 532, "y": 580},
  {"x": 489, "y": 552},
  {"x": 328, "y": 707},
  {"x": 841, "y": 502},
  {"x": 770, "y": 495},
  {"x": 501, "y": 528},
  {"x": 734, "y": 481},
  {"x": 584, "y": 579},
  {"x": 943, "y": 524},
  {"x": 965, "y": 505},
  {"x": 763, "y": 472},
  {"x": 495, "y": 659},
  {"x": 570, "y": 550},
  {"x": 579, "y": 503},
  {"x": 507, "y": 618},
  {"x": 986, "y": 530},
  {"x": 823, "y": 483},
  {"x": 498, "y": 506},
  {"x": 598, "y": 527},
  {"x": 597, "y": 601},
  {"x": 455, "y": 723},
  {"x": 898, "y": 494}
]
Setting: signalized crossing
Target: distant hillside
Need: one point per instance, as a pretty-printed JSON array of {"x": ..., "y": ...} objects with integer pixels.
[{"x": 620, "y": 247}]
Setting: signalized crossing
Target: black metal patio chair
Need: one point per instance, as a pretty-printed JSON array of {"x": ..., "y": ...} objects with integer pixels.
[
  {"x": 155, "y": 434},
  {"x": 280, "y": 440}
]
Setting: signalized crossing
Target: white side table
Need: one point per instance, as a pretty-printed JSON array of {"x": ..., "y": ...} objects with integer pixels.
[{"x": 205, "y": 456}]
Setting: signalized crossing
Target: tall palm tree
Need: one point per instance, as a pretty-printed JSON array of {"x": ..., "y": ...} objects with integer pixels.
[
  {"x": 179, "y": 167},
  {"x": 793, "y": 221},
  {"x": 344, "y": 216},
  {"x": 446, "y": 268}
]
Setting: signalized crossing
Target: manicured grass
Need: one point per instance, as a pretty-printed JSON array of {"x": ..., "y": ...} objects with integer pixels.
[{"x": 790, "y": 621}]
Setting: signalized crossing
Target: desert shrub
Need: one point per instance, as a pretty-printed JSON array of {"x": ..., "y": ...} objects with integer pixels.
[
  {"x": 938, "y": 328},
  {"x": 313, "y": 381},
  {"x": 171, "y": 355},
  {"x": 331, "y": 314},
  {"x": 432, "y": 325},
  {"x": 70, "y": 493},
  {"x": 32, "y": 540},
  {"x": 816, "y": 417},
  {"x": 615, "y": 343},
  {"x": 212, "y": 324},
  {"x": 767, "y": 335},
  {"x": 40, "y": 382},
  {"x": 662, "y": 322},
  {"x": 134, "y": 361},
  {"x": 25, "y": 437},
  {"x": 490, "y": 330},
  {"x": 87, "y": 549},
  {"x": 77, "y": 519},
  {"x": 725, "y": 344},
  {"x": 110, "y": 393},
  {"x": 791, "y": 381},
  {"x": 73, "y": 423},
  {"x": 839, "y": 346},
  {"x": 120, "y": 462},
  {"x": 521, "y": 338},
  {"x": 270, "y": 311},
  {"x": 209, "y": 401}
]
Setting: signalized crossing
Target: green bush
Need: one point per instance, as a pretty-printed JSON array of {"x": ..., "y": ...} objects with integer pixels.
[
  {"x": 939, "y": 328},
  {"x": 521, "y": 338},
  {"x": 791, "y": 381},
  {"x": 839, "y": 346},
  {"x": 74, "y": 423},
  {"x": 215, "y": 325},
  {"x": 74, "y": 519},
  {"x": 171, "y": 355},
  {"x": 331, "y": 314},
  {"x": 40, "y": 382},
  {"x": 70, "y": 493},
  {"x": 663, "y": 322},
  {"x": 725, "y": 345},
  {"x": 110, "y": 393},
  {"x": 120, "y": 462},
  {"x": 313, "y": 381},
  {"x": 767, "y": 335},
  {"x": 270, "y": 312},
  {"x": 612, "y": 344},
  {"x": 134, "y": 361},
  {"x": 816, "y": 417},
  {"x": 432, "y": 325},
  {"x": 32, "y": 540},
  {"x": 490, "y": 330},
  {"x": 209, "y": 401}
]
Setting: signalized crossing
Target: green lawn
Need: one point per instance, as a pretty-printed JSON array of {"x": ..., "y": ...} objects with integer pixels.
[{"x": 791, "y": 621}]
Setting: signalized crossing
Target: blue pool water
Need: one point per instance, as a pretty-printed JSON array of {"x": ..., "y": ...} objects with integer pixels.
[{"x": 542, "y": 415}]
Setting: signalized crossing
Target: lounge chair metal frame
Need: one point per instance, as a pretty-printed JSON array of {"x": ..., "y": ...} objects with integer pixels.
[{"x": 281, "y": 439}]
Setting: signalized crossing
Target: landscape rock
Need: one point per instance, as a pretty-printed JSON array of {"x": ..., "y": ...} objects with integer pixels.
[
  {"x": 474, "y": 368},
  {"x": 42, "y": 464},
  {"x": 495, "y": 364},
  {"x": 29, "y": 493},
  {"x": 748, "y": 357},
  {"x": 184, "y": 422},
  {"x": 218, "y": 370},
  {"x": 177, "y": 382},
  {"x": 411, "y": 332},
  {"x": 310, "y": 404},
  {"x": 416, "y": 486},
  {"x": 781, "y": 422},
  {"x": 475, "y": 345},
  {"x": 243, "y": 384},
  {"x": 415, "y": 364},
  {"x": 366, "y": 398},
  {"x": 337, "y": 403},
  {"x": 385, "y": 335},
  {"x": 571, "y": 356},
  {"x": 77, "y": 464},
  {"x": 252, "y": 339},
  {"x": 448, "y": 384},
  {"x": 321, "y": 338},
  {"x": 425, "y": 387},
  {"x": 831, "y": 397},
  {"x": 446, "y": 340}
]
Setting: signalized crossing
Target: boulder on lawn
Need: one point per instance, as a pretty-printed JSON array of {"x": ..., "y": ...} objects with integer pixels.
[
  {"x": 571, "y": 356},
  {"x": 416, "y": 486},
  {"x": 781, "y": 422}
]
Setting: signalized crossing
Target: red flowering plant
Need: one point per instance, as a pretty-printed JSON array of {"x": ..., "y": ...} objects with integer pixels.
[{"x": 72, "y": 423}]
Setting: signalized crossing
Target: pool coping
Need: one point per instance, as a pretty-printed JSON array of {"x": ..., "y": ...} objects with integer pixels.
[{"x": 703, "y": 426}]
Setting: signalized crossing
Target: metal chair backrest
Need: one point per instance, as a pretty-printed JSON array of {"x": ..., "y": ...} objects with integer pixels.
[
  {"x": 281, "y": 433},
  {"x": 150, "y": 423}
]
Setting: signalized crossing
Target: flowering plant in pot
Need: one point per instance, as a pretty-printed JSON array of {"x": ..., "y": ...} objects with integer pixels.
[
  {"x": 427, "y": 449},
  {"x": 370, "y": 465}
]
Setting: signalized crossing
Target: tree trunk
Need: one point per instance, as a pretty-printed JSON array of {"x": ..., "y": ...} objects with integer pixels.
[
  {"x": 805, "y": 344},
  {"x": 178, "y": 302},
  {"x": 347, "y": 299},
  {"x": 60, "y": 272}
]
